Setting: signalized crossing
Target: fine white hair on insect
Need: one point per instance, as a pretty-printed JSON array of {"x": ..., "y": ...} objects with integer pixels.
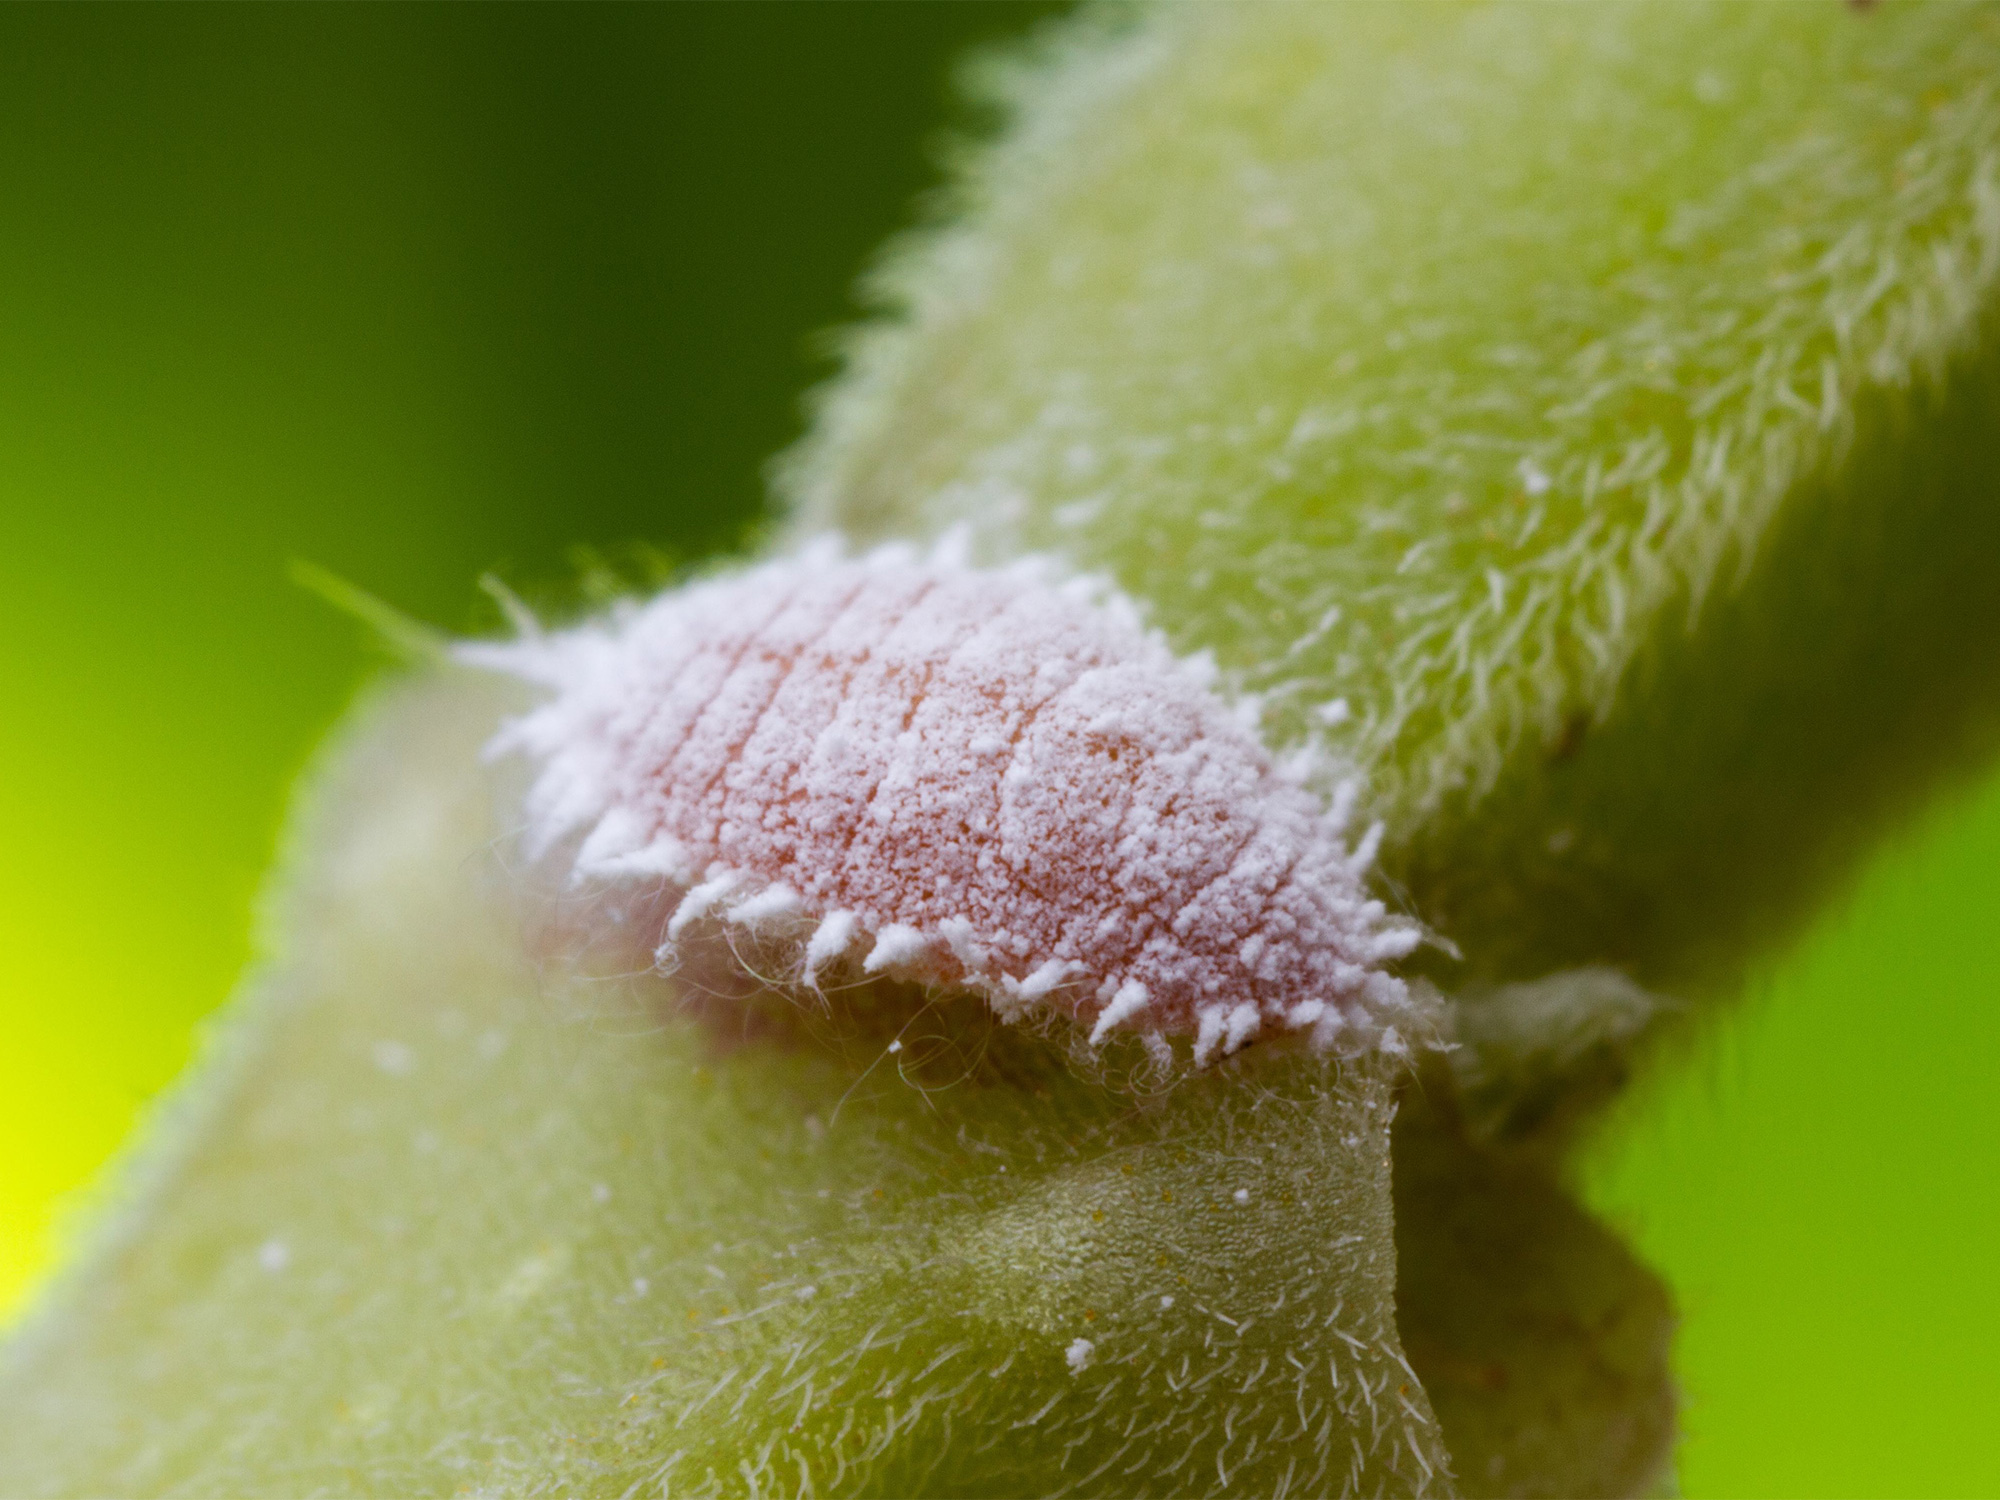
[{"x": 995, "y": 779}]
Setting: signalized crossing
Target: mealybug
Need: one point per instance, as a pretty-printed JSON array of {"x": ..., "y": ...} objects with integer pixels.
[{"x": 993, "y": 779}]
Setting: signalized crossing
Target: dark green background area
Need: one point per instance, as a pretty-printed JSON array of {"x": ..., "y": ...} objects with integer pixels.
[{"x": 419, "y": 293}]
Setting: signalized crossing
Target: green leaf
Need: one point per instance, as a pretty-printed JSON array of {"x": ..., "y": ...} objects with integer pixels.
[{"x": 449, "y": 1213}]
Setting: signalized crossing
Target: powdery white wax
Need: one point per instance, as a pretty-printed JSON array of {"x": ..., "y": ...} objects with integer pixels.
[{"x": 995, "y": 779}]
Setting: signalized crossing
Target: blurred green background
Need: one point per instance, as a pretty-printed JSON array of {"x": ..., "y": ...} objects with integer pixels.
[{"x": 420, "y": 293}]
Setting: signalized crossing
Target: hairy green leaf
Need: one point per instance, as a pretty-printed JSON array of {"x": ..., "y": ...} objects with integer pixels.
[{"x": 450, "y": 1214}]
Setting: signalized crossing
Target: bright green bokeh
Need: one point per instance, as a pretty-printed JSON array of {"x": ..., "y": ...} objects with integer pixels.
[
  {"x": 415, "y": 294},
  {"x": 1819, "y": 1186}
]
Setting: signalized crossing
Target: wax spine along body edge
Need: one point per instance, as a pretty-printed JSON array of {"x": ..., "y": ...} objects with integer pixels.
[{"x": 991, "y": 779}]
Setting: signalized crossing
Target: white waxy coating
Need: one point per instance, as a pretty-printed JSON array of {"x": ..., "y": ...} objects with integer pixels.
[{"x": 996, "y": 779}]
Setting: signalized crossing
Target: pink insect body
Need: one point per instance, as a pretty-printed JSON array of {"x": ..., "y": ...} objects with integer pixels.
[{"x": 994, "y": 779}]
